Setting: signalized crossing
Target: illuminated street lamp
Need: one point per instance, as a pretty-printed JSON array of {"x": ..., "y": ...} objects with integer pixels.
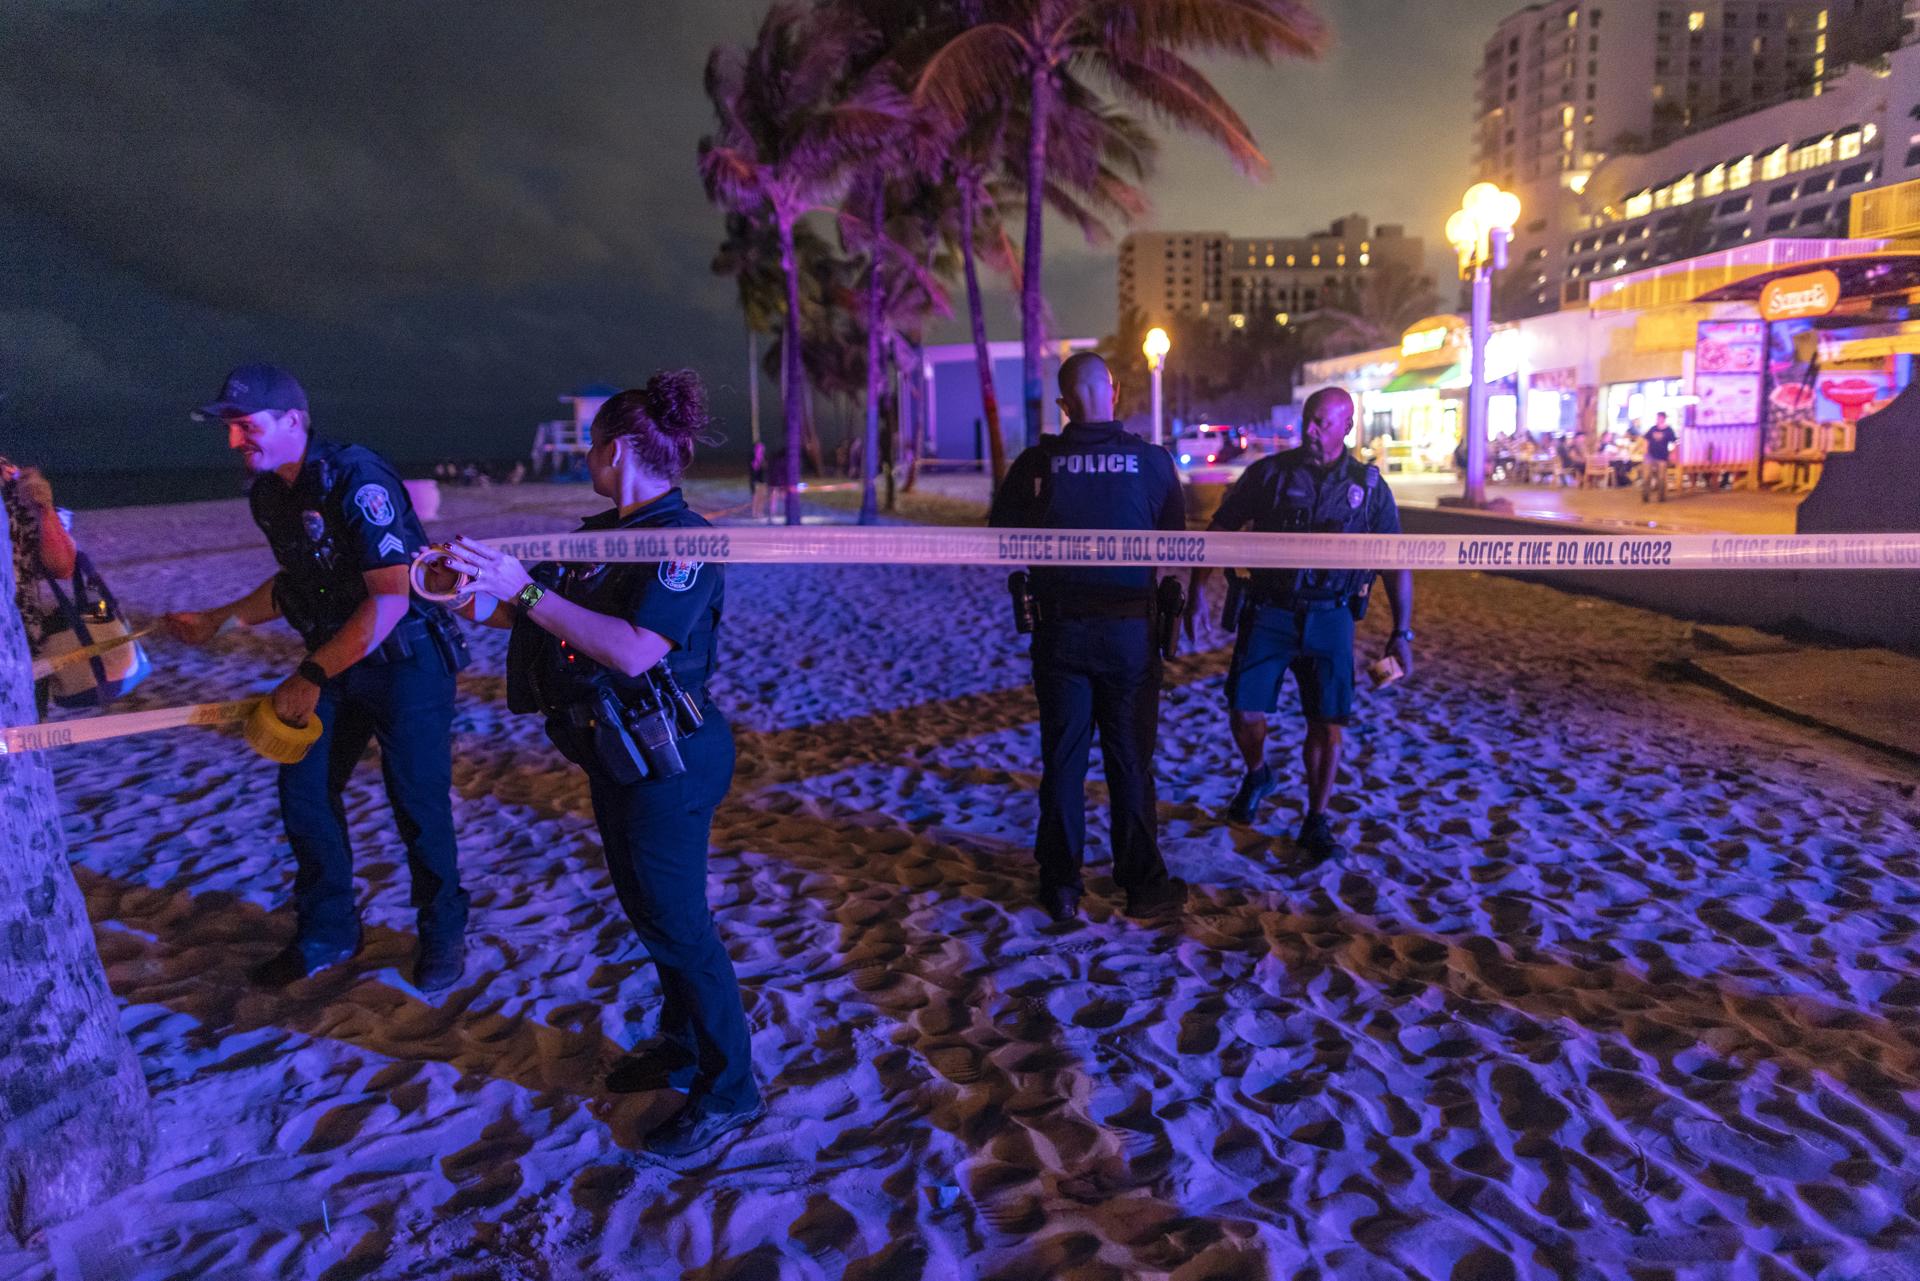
[
  {"x": 1156, "y": 346},
  {"x": 1478, "y": 232}
]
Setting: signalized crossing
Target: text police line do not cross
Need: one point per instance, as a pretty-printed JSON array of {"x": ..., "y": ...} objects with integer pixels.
[{"x": 866, "y": 545}]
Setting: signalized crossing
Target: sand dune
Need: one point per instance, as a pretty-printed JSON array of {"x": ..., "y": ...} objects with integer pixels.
[{"x": 1618, "y": 980}]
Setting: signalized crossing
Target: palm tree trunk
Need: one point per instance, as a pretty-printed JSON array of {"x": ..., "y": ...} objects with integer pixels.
[
  {"x": 982, "y": 356},
  {"x": 75, "y": 1121},
  {"x": 870, "y": 455},
  {"x": 753, "y": 384},
  {"x": 796, "y": 376},
  {"x": 915, "y": 414},
  {"x": 1033, "y": 335}
]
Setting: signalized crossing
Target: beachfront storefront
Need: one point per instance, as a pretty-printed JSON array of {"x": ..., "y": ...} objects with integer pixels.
[
  {"x": 1792, "y": 343},
  {"x": 1411, "y": 400}
]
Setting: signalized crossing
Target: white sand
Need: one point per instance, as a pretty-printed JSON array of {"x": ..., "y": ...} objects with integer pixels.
[{"x": 1620, "y": 980}]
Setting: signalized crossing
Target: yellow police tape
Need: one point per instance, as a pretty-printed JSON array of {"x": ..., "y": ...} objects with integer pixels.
[
  {"x": 265, "y": 732},
  {"x": 911, "y": 545},
  {"x": 918, "y": 545}
]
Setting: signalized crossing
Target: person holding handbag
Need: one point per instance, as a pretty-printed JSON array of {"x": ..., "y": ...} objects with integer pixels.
[{"x": 42, "y": 548}]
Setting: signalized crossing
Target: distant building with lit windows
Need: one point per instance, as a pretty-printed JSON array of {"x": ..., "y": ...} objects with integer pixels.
[
  {"x": 1786, "y": 171},
  {"x": 1237, "y": 281},
  {"x": 1569, "y": 88}
]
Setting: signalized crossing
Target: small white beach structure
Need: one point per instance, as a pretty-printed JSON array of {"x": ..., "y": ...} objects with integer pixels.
[{"x": 562, "y": 443}]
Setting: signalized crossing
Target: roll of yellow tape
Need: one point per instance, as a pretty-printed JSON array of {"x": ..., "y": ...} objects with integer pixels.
[{"x": 276, "y": 740}]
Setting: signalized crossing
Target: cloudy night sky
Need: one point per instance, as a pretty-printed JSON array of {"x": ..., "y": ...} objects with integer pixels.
[{"x": 441, "y": 215}]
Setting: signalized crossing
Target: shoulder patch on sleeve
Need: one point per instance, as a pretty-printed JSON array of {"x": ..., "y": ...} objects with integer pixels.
[
  {"x": 678, "y": 575},
  {"x": 375, "y": 503}
]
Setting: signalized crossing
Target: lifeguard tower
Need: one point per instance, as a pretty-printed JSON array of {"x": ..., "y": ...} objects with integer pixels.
[{"x": 562, "y": 443}]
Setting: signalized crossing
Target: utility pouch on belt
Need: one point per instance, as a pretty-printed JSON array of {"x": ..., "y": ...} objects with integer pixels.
[
  {"x": 1236, "y": 601},
  {"x": 1358, "y": 602},
  {"x": 1169, "y": 604},
  {"x": 1022, "y": 599},
  {"x": 619, "y": 756},
  {"x": 659, "y": 744}
]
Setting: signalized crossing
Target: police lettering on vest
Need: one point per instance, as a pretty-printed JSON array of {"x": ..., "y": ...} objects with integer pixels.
[
  {"x": 1097, "y": 464},
  {"x": 1091, "y": 476}
]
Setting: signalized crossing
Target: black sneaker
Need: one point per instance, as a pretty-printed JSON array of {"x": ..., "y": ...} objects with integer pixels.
[
  {"x": 657, "y": 1065},
  {"x": 1163, "y": 899},
  {"x": 439, "y": 963},
  {"x": 1254, "y": 788},
  {"x": 1316, "y": 839},
  {"x": 299, "y": 960},
  {"x": 696, "y": 1127},
  {"x": 1061, "y": 902}
]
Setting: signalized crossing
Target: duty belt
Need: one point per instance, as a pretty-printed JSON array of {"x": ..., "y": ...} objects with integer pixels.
[
  {"x": 1056, "y": 609},
  {"x": 1301, "y": 604}
]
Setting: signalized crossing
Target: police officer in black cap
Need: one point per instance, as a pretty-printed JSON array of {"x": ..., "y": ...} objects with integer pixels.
[
  {"x": 1302, "y": 620},
  {"x": 1096, "y": 645},
  {"x": 617, "y": 658},
  {"x": 379, "y": 665}
]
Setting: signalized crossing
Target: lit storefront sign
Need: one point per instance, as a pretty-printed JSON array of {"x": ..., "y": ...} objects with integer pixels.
[{"x": 1816, "y": 293}]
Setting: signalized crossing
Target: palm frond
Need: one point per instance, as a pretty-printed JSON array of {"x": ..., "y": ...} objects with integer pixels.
[
  {"x": 1259, "y": 29},
  {"x": 977, "y": 69},
  {"x": 1184, "y": 97}
]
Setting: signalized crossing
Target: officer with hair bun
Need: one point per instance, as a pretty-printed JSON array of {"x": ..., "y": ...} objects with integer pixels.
[
  {"x": 1096, "y": 646},
  {"x": 617, "y": 657}
]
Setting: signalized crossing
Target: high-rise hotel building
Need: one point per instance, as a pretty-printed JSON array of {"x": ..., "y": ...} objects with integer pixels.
[
  {"x": 1565, "y": 87},
  {"x": 1237, "y": 281}
]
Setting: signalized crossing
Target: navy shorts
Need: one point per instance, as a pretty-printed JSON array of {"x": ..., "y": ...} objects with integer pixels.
[{"x": 1316, "y": 646}]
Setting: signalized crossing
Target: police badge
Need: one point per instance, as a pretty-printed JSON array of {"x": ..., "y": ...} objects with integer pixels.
[
  {"x": 1355, "y": 496},
  {"x": 678, "y": 575},
  {"x": 373, "y": 500},
  {"x": 315, "y": 525}
]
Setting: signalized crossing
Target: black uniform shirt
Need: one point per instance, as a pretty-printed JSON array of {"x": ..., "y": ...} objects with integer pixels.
[
  {"x": 344, "y": 514},
  {"x": 1091, "y": 476},
  {"x": 1287, "y": 493},
  {"x": 679, "y": 599}
]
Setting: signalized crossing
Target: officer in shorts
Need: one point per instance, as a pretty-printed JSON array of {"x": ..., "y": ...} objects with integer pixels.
[
  {"x": 379, "y": 665},
  {"x": 1096, "y": 658},
  {"x": 1302, "y": 620}
]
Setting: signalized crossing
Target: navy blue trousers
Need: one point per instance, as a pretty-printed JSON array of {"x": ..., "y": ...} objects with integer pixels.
[
  {"x": 408, "y": 706},
  {"x": 1098, "y": 673},
  {"x": 656, "y": 835}
]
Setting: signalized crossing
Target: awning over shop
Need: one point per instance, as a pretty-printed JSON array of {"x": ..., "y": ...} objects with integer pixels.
[
  {"x": 1426, "y": 379},
  {"x": 1874, "y": 348},
  {"x": 1641, "y": 366},
  {"x": 1880, "y": 274}
]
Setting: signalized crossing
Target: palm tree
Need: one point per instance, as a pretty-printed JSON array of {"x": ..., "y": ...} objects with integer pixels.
[
  {"x": 1374, "y": 313},
  {"x": 1032, "y": 50},
  {"x": 750, "y": 254},
  {"x": 1101, "y": 155},
  {"x": 76, "y": 1124},
  {"x": 789, "y": 130}
]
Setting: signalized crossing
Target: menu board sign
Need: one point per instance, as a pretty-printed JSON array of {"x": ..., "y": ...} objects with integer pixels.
[{"x": 1729, "y": 358}]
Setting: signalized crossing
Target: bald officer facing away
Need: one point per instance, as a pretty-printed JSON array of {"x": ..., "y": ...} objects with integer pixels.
[
  {"x": 1301, "y": 620},
  {"x": 1096, "y": 660}
]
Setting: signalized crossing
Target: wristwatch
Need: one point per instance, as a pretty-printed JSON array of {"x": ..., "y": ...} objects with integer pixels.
[
  {"x": 1399, "y": 632},
  {"x": 529, "y": 596},
  {"x": 312, "y": 671}
]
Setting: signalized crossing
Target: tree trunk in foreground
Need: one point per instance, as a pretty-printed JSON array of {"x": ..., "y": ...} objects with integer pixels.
[
  {"x": 75, "y": 1121},
  {"x": 982, "y": 355}
]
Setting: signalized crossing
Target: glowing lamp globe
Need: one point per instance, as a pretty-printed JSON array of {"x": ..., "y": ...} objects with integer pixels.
[{"x": 1156, "y": 346}]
